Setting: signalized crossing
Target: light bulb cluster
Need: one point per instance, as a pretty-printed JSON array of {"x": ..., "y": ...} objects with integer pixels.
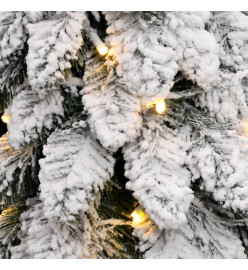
[{"x": 5, "y": 118}]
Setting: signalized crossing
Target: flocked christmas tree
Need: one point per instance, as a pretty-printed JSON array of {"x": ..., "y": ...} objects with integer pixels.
[{"x": 127, "y": 135}]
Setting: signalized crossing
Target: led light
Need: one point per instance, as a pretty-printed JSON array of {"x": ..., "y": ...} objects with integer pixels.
[
  {"x": 160, "y": 107},
  {"x": 138, "y": 215},
  {"x": 102, "y": 49},
  {"x": 5, "y": 118}
]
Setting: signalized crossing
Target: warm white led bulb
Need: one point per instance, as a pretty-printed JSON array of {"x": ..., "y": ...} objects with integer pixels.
[
  {"x": 5, "y": 118},
  {"x": 138, "y": 215},
  {"x": 102, "y": 49},
  {"x": 160, "y": 107}
]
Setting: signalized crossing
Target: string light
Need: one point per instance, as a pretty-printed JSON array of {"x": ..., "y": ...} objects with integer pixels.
[
  {"x": 138, "y": 215},
  {"x": 160, "y": 107},
  {"x": 5, "y": 118},
  {"x": 102, "y": 49}
]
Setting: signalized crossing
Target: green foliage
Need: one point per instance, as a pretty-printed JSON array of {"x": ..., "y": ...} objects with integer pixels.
[
  {"x": 181, "y": 83},
  {"x": 153, "y": 18},
  {"x": 118, "y": 203},
  {"x": 9, "y": 226},
  {"x": 25, "y": 181},
  {"x": 77, "y": 65},
  {"x": 5, "y": 99},
  {"x": 72, "y": 104},
  {"x": 13, "y": 68},
  {"x": 100, "y": 25},
  {"x": 111, "y": 223},
  {"x": 12, "y": 76},
  {"x": 105, "y": 225}
]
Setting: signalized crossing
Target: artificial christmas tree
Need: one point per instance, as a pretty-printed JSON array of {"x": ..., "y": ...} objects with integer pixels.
[{"x": 127, "y": 135}]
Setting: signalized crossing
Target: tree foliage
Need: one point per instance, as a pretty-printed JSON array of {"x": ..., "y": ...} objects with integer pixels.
[{"x": 85, "y": 145}]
